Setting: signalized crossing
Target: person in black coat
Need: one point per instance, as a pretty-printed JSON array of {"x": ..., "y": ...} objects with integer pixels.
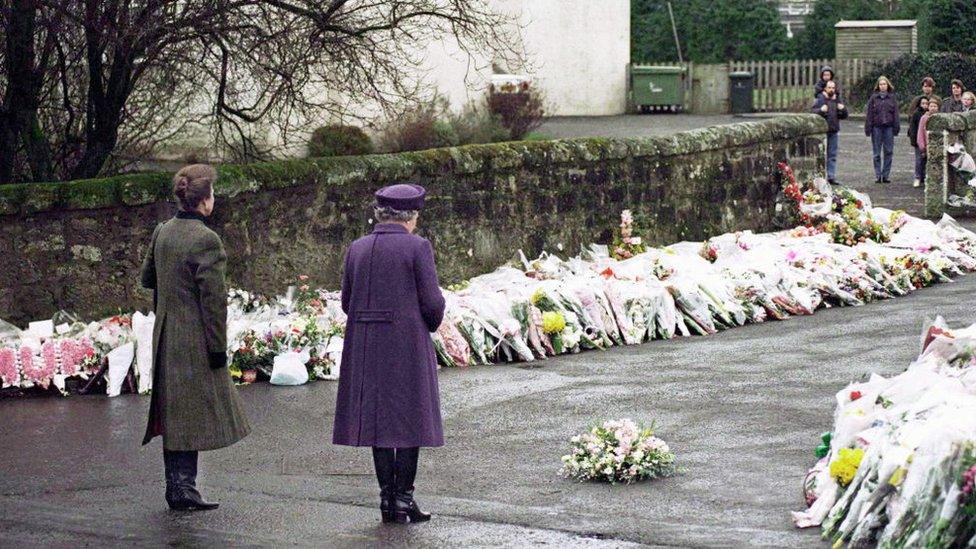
[
  {"x": 830, "y": 106},
  {"x": 882, "y": 125},
  {"x": 922, "y": 106}
]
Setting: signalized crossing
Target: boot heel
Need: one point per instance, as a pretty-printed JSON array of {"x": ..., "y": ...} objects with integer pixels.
[
  {"x": 388, "y": 516},
  {"x": 401, "y": 517}
]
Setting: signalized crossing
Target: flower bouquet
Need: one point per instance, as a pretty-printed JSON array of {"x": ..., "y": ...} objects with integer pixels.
[
  {"x": 626, "y": 245},
  {"x": 618, "y": 451}
]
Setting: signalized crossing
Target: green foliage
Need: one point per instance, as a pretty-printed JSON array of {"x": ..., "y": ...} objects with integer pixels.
[
  {"x": 818, "y": 38},
  {"x": 906, "y": 74},
  {"x": 953, "y": 25},
  {"x": 710, "y": 32},
  {"x": 338, "y": 141},
  {"x": 943, "y": 25}
]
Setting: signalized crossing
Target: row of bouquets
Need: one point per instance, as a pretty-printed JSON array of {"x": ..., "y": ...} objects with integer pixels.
[
  {"x": 899, "y": 467},
  {"x": 532, "y": 309}
]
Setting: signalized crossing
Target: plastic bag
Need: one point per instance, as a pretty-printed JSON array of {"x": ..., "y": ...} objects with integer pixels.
[
  {"x": 289, "y": 368},
  {"x": 119, "y": 361}
]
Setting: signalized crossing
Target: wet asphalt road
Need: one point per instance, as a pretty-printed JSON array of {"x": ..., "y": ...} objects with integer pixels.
[{"x": 743, "y": 410}]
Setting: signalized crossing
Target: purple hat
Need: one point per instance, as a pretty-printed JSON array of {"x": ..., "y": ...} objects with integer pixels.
[{"x": 402, "y": 196}]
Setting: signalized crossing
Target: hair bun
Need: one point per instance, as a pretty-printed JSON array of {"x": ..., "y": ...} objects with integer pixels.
[{"x": 181, "y": 186}]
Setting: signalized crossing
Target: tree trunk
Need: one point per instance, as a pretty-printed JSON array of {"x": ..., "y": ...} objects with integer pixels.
[{"x": 20, "y": 64}]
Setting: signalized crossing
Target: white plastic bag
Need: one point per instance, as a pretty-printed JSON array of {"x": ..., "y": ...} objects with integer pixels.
[
  {"x": 142, "y": 330},
  {"x": 119, "y": 361},
  {"x": 289, "y": 368}
]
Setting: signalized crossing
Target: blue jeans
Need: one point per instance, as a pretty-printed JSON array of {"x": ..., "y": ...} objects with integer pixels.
[
  {"x": 832, "y": 141},
  {"x": 920, "y": 159},
  {"x": 882, "y": 141}
]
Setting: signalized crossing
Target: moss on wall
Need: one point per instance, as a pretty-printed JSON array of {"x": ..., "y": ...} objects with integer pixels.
[{"x": 78, "y": 245}]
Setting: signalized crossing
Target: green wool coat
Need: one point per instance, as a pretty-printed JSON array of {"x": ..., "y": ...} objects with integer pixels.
[{"x": 194, "y": 405}]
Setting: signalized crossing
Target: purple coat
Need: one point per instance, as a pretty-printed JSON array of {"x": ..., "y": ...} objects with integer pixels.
[{"x": 388, "y": 395}]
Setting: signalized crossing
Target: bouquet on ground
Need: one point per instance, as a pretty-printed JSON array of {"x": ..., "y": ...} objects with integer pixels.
[
  {"x": 618, "y": 451},
  {"x": 626, "y": 244},
  {"x": 899, "y": 466}
]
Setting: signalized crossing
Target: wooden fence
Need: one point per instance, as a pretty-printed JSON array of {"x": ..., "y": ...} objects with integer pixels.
[
  {"x": 783, "y": 85},
  {"x": 788, "y": 85}
]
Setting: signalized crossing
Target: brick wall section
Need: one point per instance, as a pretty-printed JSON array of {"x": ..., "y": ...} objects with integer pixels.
[{"x": 77, "y": 246}]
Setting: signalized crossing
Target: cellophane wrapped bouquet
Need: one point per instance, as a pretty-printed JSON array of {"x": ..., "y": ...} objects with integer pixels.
[
  {"x": 900, "y": 463},
  {"x": 618, "y": 451}
]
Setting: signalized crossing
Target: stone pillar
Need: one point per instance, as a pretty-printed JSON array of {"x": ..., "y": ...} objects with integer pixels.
[{"x": 941, "y": 180}]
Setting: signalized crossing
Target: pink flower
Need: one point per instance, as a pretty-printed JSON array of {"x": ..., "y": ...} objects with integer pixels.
[
  {"x": 49, "y": 360},
  {"x": 33, "y": 369},
  {"x": 8, "y": 367},
  {"x": 70, "y": 357},
  {"x": 303, "y": 277}
]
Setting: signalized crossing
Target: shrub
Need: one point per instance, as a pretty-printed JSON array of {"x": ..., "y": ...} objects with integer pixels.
[
  {"x": 906, "y": 74},
  {"x": 519, "y": 108},
  {"x": 418, "y": 129},
  {"x": 432, "y": 125},
  {"x": 338, "y": 141},
  {"x": 476, "y": 124}
]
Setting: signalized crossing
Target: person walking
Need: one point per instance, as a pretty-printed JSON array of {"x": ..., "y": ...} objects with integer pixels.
[
  {"x": 194, "y": 405},
  {"x": 388, "y": 395},
  {"x": 923, "y": 137},
  {"x": 826, "y": 75},
  {"x": 830, "y": 106},
  {"x": 913, "y": 125},
  {"x": 882, "y": 125},
  {"x": 954, "y": 103}
]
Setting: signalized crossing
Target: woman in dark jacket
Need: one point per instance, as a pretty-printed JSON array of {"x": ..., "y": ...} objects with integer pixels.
[
  {"x": 388, "y": 394},
  {"x": 922, "y": 106},
  {"x": 882, "y": 125},
  {"x": 195, "y": 406}
]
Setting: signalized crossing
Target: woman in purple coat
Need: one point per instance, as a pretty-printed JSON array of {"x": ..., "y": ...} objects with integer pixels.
[{"x": 388, "y": 397}]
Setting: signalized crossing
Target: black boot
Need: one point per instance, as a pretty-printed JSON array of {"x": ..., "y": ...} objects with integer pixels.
[
  {"x": 181, "y": 482},
  {"x": 407, "y": 509},
  {"x": 384, "y": 460}
]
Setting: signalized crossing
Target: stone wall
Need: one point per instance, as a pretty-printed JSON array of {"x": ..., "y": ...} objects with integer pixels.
[
  {"x": 78, "y": 245},
  {"x": 941, "y": 180}
]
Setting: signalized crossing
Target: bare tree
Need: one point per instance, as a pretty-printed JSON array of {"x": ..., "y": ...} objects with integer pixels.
[{"x": 85, "y": 79}]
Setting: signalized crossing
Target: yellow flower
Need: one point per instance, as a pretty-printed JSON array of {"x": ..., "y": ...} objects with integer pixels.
[
  {"x": 537, "y": 296},
  {"x": 845, "y": 466},
  {"x": 897, "y": 477},
  {"x": 553, "y": 323}
]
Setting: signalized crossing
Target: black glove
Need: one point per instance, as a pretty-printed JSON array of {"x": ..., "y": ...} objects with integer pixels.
[{"x": 218, "y": 360}]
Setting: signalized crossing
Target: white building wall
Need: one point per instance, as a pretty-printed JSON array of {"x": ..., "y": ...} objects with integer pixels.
[{"x": 577, "y": 53}]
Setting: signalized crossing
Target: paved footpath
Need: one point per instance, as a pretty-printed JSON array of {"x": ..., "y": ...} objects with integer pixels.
[
  {"x": 854, "y": 166},
  {"x": 743, "y": 410}
]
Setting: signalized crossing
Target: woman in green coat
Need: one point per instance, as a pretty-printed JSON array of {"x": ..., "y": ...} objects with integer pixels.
[{"x": 195, "y": 405}]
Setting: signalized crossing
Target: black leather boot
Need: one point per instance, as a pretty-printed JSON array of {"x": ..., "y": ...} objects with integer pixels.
[
  {"x": 384, "y": 461},
  {"x": 181, "y": 482},
  {"x": 406, "y": 509}
]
